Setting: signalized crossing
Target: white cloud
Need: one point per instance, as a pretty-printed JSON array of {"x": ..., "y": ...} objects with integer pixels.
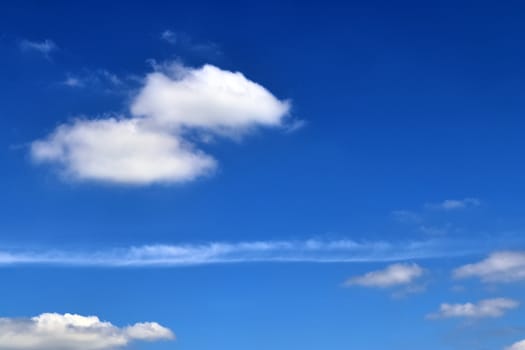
[
  {"x": 208, "y": 98},
  {"x": 391, "y": 276},
  {"x": 485, "y": 308},
  {"x": 121, "y": 151},
  {"x": 44, "y": 47},
  {"x": 156, "y": 144},
  {"x": 314, "y": 251},
  {"x": 52, "y": 331},
  {"x": 455, "y": 204},
  {"x": 503, "y": 266},
  {"x": 517, "y": 346}
]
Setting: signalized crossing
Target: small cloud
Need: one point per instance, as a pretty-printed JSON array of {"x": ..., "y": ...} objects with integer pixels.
[
  {"x": 488, "y": 308},
  {"x": 101, "y": 79},
  {"x": 455, "y": 204},
  {"x": 392, "y": 276},
  {"x": 169, "y": 36},
  {"x": 295, "y": 124},
  {"x": 185, "y": 42},
  {"x": 44, "y": 47},
  {"x": 73, "y": 82},
  {"x": 499, "y": 267},
  {"x": 52, "y": 331}
]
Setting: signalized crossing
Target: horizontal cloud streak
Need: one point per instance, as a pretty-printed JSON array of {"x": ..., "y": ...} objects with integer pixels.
[{"x": 314, "y": 251}]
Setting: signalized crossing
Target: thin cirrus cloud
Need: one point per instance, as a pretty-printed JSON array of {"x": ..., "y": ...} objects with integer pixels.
[
  {"x": 311, "y": 251},
  {"x": 53, "y": 331},
  {"x": 101, "y": 79},
  {"x": 156, "y": 144},
  {"x": 488, "y": 308},
  {"x": 392, "y": 276},
  {"x": 169, "y": 36},
  {"x": 498, "y": 267},
  {"x": 455, "y": 204},
  {"x": 45, "y": 47}
]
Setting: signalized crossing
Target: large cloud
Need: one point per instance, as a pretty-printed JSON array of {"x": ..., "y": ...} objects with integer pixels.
[
  {"x": 485, "y": 308},
  {"x": 53, "y": 331},
  {"x": 208, "y": 98},
  {"x": 156, "y": 144},
  {"x": 504, "y": 266},
  {"x": 312, "y": 250},
  {"x": 121, "y": 151},
  {"x": 393, "y": 275}
]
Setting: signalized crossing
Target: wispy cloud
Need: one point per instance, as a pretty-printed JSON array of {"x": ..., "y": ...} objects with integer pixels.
[
  {"x": 52, "y": 331},
  {"x": 485, "y": 308},
  {"x": 44, "y": 47},
  {"x": 100, "y": 79},
  {"x": 498, "y": 267},
  {"x": 312, "y": 251},
  {"x": 455, "y": 204},
  {"x": 169, "y": 36},
  {"x": 187, "y": 43}
]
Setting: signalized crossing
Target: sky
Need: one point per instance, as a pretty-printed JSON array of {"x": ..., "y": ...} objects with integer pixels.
[{"x": 268, "y": 175}]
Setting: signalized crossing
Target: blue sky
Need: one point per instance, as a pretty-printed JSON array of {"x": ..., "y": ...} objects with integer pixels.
[{"x": 267, "y": 175}]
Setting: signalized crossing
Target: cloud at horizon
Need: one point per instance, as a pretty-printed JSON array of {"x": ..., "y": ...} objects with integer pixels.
[{"x": 53, "y": 331}]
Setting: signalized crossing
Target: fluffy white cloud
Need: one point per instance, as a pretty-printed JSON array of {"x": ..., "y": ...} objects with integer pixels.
[
  {"x": 455, "y": 204},
  {"x": 121, "y": 151},
  {"x": 207, "y": 98},
  {"x": 485, "y": 308},
  {"x": 51, "y": 331},
  {"x": 517, "y": 346},
  {"x": 156, "y": 144},
  {"x": 504, "y": 266},
  {"x": 393, "y": 275}
]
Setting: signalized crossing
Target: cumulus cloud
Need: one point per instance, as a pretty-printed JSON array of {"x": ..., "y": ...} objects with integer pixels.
[
  {"x": 155, "y": 144},
  {"x": 208, "y": 98},
  {"x": 312, "y": 251},
  {"x": 121, "y": 151},
  {"x": 517, "y": 346},
  {"x": 455, "y": 204},
  {"x": 44, "y": 47},
  {"x": 503, "y": 266},
  {"x": 485, "y": 308},
  {"x": 391, "y": 276},
  {"x": 52, "y": 331}
]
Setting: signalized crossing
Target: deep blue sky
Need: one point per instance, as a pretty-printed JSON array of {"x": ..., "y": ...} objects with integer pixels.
[{"x": 406, "y": 104}]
